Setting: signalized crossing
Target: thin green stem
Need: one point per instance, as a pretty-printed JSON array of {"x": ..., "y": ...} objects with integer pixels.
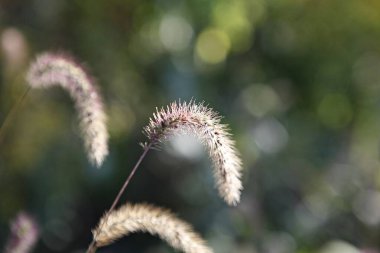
[{"x": 12, "y": 112}]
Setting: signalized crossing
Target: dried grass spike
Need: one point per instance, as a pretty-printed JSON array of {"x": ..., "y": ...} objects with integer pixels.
[
  {"x": 51, "y": 69},
  {"x": 24, "y": 234},
  {"x": 204, "y": 123},
  {"x": 132, "y": 218}
]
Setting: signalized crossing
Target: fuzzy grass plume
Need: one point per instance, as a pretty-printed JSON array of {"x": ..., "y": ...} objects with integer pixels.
[
  {"x": 203, "y": 122},
  {"x": 24, "y": 234},
  {"x": 132, "y": 218},
  {"x": 51, "y": 69}
]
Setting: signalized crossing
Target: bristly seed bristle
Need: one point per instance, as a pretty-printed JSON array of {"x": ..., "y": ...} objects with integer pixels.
[
  {"x": 204, "y": 123},
  {"x": 51, "y": 69}
]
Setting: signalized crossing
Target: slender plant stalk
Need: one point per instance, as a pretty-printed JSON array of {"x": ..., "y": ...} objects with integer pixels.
[
  {"x": 12, "y": 112},
  {"x": 92, "y": 248}
]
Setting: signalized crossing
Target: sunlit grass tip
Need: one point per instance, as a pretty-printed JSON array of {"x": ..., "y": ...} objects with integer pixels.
[
  {"x": 24, "y": 234},
  {"x": 201, "y": 121},
  {"x": 132, "y": 218},
  {"x": 55, "y": 69}
]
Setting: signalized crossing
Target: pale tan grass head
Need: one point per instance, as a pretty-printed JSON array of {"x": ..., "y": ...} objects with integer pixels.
[
  {"x": 50, "y": 69},
  {"x": 204, "y": 123},
  {"x": 132, "y": 218},
  {"x": 24, "y": 234}
]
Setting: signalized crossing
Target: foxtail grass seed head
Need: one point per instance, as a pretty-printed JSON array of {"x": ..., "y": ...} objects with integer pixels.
[
  {"x": 132, "y": 218},
  {"x": 51, "y": 69},
  {"x": 203, "y": 122},
  {"x": 24, "y": 234}
]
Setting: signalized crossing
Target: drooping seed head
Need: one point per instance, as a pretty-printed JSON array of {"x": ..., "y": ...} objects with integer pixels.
[
  {"x": 50, "y": 69},
  {"x": 204, "y": 123},
  {"x": 132, "y": 218},
  {"x": 24, "y": 234}
]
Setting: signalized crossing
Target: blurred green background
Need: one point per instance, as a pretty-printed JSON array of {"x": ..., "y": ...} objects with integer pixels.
[{"x": 297, "y": 81}]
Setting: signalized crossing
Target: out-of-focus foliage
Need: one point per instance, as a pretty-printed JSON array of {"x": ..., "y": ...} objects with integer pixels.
[{"x": 297, "y": 80}]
